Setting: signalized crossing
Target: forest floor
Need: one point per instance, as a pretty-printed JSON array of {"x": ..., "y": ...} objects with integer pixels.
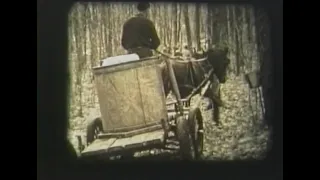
[{"x": 240, "y": 137}]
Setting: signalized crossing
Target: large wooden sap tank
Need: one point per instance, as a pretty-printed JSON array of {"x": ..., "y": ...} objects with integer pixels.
[{"x": 131, "y": 94}]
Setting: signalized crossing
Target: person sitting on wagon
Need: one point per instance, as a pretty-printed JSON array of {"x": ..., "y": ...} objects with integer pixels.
[{"x": 139, "y": 34}]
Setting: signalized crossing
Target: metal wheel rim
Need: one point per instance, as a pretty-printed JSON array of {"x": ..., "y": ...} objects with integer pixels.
[
  {"x": 197, "y": 147},
  {"x": 198, "y": 135},
  {"x": 192, "y": 149}
]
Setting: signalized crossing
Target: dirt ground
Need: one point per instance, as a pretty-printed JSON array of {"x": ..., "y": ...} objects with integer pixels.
[{"x": 240, "y": 137}]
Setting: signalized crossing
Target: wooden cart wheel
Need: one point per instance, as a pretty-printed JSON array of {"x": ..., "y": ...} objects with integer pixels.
[
  {"x": 196, "y": 131},
  {"x": 185, "y": 139},
  {"x": 93, "y": 130}
]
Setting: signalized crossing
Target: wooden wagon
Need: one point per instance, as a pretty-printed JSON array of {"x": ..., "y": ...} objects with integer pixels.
[{"x": 135, "y": 115}]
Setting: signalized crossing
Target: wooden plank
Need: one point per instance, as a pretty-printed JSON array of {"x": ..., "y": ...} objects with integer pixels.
[
  {"x": 99, "y": 146},
  {"x": 108, "y": 146},
  {"x": 137, "y": 141},
  {"x": 130, "y": 133}
]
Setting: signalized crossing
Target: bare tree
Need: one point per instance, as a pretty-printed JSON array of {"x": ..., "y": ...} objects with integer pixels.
[
  {"x": 198, "y": 24},
  {"x": 187, "y": 25},
  {"x": 175, "y": 36}
]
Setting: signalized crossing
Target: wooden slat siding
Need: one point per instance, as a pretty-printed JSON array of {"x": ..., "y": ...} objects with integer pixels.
[
  {"x": 153, "y": 94},
  {"x": 120, "y": 102},
  {"x": 131, "y": 95}
]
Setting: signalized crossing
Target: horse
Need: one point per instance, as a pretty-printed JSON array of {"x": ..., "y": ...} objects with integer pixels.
[{"x": 190, "y": 75}]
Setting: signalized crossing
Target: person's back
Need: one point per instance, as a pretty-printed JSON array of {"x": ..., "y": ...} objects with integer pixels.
[{"x": 139, "y": 34}]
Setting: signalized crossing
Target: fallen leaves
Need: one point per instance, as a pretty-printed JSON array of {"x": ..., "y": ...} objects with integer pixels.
[{"x": 240, "y": 137}]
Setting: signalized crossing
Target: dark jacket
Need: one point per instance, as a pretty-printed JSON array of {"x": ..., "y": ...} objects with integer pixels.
[{"x": 139, "y": 32}]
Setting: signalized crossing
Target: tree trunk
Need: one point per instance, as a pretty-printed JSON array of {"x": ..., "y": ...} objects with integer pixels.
[
  {"x": 92, "y": 35},
  {"x": 215, "y": 26},
  {"x": 105, "y": 23},
  {"x": 174, "y": 27},
  {"x": 263, "y": 35},
  {"x": 187, "y": 25},
  {"x": 249, "y": 18},
  {"x": 80, "y": 31},
  {"x": 109, "y": 30},
  {"x": 209, "y": 26},
  {"x": 239, "y": 29},
  {"x": 236, "y": 38},
  {"x": 179, "y": 27},
  {"x": 198, "y": 24},
  {"x": 100, "y": 36}
]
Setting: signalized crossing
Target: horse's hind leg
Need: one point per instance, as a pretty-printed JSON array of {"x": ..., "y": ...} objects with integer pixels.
[
  {"x": 210, "y": 104},
  {"x": 214, "y": 96},
  {"x": 215, "y": 107},
  {"x": 216, "y": 114}
]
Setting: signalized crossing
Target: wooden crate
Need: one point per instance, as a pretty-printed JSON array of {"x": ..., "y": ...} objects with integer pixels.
[{"x": 131, "y": 95}]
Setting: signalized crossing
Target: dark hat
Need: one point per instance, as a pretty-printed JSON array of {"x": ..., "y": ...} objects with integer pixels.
[{"x": 143, "y": 6}]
